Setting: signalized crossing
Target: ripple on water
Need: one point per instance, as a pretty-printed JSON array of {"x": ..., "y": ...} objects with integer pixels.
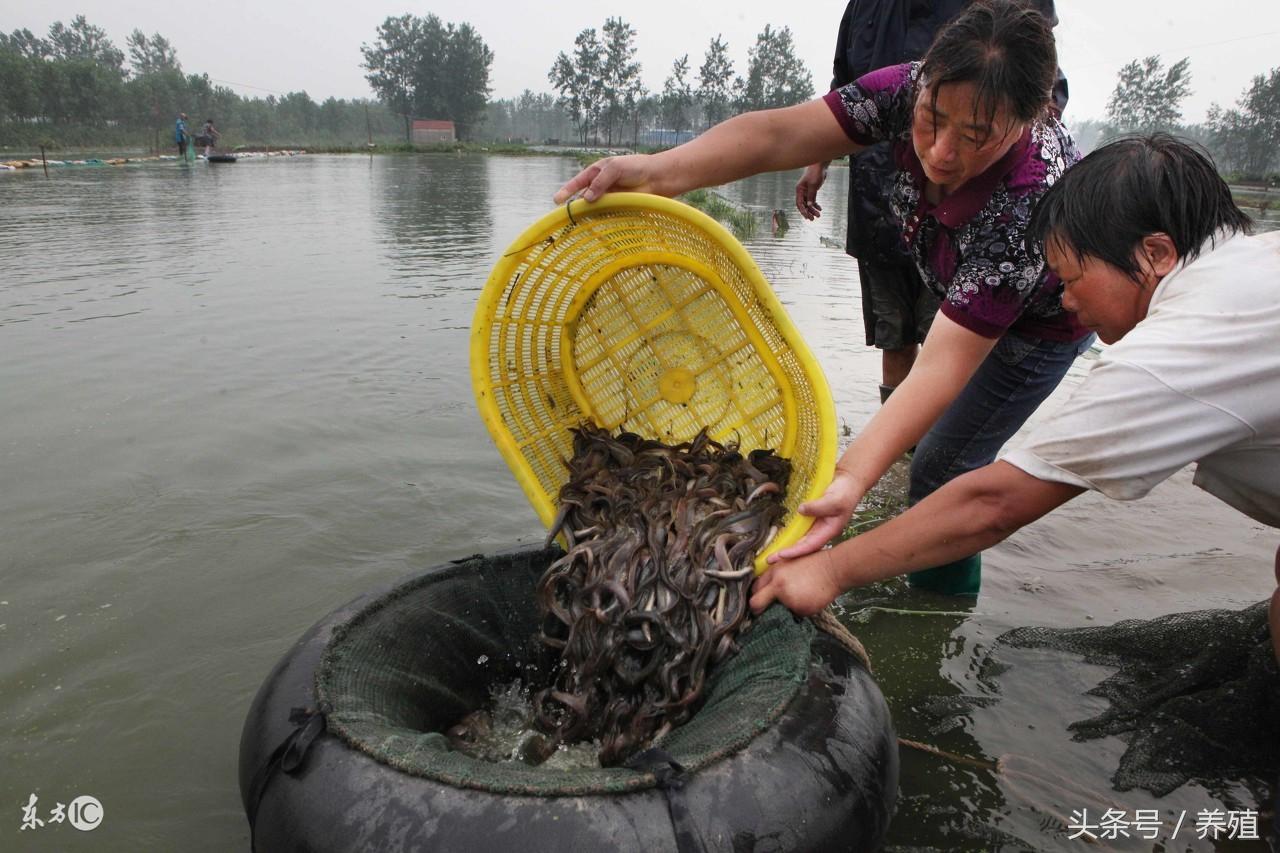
[{"x": 236, "y": 399}]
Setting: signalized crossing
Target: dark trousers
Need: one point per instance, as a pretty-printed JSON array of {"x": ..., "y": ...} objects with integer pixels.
[{"x": 1014, "y": 379}]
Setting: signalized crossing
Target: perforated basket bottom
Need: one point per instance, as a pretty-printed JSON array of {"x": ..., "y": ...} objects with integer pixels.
[{"x": 643, "y": 314}]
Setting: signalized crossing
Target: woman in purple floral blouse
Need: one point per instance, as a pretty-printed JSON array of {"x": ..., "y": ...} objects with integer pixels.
[{"x": 976, "y": 147}]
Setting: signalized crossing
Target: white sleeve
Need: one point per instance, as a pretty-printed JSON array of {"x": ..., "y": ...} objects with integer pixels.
[{"x": 1122, "y": 432}]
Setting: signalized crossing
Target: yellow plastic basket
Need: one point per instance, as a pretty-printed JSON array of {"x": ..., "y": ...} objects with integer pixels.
[{"x": 640, "y": 312}]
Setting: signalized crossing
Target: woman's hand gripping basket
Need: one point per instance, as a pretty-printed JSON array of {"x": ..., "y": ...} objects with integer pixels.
[{"x": 640, "y": 312}]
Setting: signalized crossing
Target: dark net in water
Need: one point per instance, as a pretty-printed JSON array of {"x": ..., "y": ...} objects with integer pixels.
[{"x": 1196, "y": 695}]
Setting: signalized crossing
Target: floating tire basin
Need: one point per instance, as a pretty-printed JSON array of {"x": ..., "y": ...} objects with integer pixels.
[{"x": 343, "y": 748}]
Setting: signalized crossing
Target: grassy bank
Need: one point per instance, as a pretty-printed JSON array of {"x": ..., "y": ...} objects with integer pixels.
[
  {"x": 585, "y": 156},
  {"x": 741, "y": 221},
  {"x": 433, "y": 148},
  {"x": 1258, "y": 201},
  {"x": 82, "y": 152}
]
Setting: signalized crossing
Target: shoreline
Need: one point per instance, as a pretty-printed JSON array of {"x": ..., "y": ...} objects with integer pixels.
[
  {"x": 1250, "y": 198},
  {"x": 21, "y": 158},
  {"x": 39, "y": 163}
]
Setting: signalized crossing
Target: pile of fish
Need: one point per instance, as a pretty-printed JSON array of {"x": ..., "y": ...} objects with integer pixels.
[{"x": 653, "y": 589}]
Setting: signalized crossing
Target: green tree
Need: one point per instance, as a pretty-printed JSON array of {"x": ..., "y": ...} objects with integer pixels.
[
  {"x": 198, "y": 96},
  {"x": 151, "y": 55},
  {"x": 599, "y": 85},
  {"x": 636, "y": 97},
  {"x": 499, "y": 121},
  {"x": 17, "y": 86},
  {"x": 423, "y": 67},
  {"x": 1148, "y": 98},
  {"x": 331, "y": 119},
  {"x": 19, "y": 98},
  {"x": 27, "y": 44},
  {"x": 93, "y": 92},
  {"x": 1247, "y": 138},
  {"x": 255, "y": 117},
  {"x": 76, "y": 80},
  {"x": 715, "y": 79},
  {"x": 563, "y": 77},
  {"x": 152, "y": 100},
  {"x": 53, "y": 86},
  {"x": 532, "y": 117},
  {"x": 429, "y": 75},
  {"x": 541, "y": 110},
  {"x": 775, "y": 75},
  {"x": 677, "y": 96},
  {"x": 392, "y": 63},
  {"x": 466, "y": 78},
  {"x": 619, "y": 73},
  {"x": 83, "y": 40},
  {"x": 579, "y": 80},
  {"x": 297, "y": 113},
  {"x": 649, "y": 111}
]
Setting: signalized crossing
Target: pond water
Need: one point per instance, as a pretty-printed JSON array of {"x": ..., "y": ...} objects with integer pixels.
[{"x": 236, "y": 397}]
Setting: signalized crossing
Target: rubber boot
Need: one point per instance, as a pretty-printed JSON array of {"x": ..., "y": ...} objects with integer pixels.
[{"x": 962, "y": 577}]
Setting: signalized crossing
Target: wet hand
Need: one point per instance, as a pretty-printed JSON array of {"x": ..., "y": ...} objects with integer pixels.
[
  {"x": 807, "y": 191},
  {"x": 830, "y": 513},
  {"x": 803, "y": 586},
  {"x": 611, "y": 174}
]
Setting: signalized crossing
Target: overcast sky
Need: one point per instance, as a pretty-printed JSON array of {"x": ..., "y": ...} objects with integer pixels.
[{"x": 262, "y": 46}]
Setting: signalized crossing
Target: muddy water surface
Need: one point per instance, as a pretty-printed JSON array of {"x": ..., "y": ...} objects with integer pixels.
[{"x": 237, "y": 397}]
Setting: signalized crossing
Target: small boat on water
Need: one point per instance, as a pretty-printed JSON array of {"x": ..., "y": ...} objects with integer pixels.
[{"x": 221, "y": 158}]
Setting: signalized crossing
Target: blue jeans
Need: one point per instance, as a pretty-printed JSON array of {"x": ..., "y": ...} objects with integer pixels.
[{"x": 1014, "y": 379}]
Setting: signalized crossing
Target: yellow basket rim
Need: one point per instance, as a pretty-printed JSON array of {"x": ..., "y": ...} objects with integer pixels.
[{"x": 579, "y": 209}]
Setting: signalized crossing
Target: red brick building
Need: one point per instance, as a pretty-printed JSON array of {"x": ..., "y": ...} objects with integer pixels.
[{"x": 432, "y": 130}]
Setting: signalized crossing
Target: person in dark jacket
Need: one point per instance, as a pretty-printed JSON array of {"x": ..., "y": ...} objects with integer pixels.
[{"x": 897, "y": 307}]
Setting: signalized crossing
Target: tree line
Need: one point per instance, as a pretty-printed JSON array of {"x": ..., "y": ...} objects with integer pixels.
[
  {"x": 426, "y": 68},
  {"x": 75, "y": 87},
  {"x": 599, "y": 86},
  {"x": 1244, "y": 139}
]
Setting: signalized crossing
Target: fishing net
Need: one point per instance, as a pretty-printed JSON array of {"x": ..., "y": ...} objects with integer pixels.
[
  {"x": 1196, "y": 695},
  {"x": 412, "y": 662}
]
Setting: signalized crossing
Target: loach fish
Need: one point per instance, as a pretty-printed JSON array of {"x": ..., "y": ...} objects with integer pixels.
[{"x": 654, "y": 586}]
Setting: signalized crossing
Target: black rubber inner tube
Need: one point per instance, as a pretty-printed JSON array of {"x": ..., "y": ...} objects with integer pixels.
[{"x": 822, "y": 776}]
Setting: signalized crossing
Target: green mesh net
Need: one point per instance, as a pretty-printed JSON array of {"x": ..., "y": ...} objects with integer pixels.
[
  {"x": 1196, "y": 695},
  {"x": 411, "y": 663}
]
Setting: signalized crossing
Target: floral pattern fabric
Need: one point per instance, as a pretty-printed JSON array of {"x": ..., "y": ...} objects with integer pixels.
[{"x": 969, "y": 248}]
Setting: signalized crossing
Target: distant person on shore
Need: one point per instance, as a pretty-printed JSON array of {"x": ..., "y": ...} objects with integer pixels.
[
  {"x": 182, "y": 136},
  {"x": 211, "y": 135},
  {"x": 1156, "y": 257}
]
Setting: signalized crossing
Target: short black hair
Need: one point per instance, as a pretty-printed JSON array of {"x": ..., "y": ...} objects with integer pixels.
[
  {"x": 1006, "y": 49},
  {"x": 1131, "y": 188}
]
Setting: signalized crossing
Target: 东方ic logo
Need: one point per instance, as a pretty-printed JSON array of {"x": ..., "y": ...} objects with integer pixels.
[{"x": 85, "y": 813}]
